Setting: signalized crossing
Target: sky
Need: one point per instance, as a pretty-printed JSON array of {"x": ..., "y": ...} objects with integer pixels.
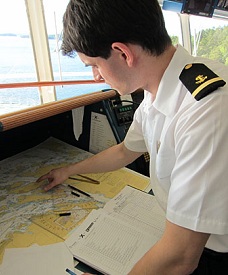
[{"x": 13, "y": 18}]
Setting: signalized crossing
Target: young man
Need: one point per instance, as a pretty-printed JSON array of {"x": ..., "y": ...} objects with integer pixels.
[{"x": 182, "y": 123}]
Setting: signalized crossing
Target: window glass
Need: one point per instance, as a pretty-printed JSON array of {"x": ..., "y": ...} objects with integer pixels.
[
  {"x": 222, "y": 4},
  {"x": 65, "y": 67},
  {"x": 209, "y": 38},
  {"x": 173, "y": 26},
  {"x": 16, "y": 55}
]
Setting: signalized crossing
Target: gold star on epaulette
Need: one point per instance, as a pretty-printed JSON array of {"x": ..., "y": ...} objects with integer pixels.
[{"x": 200, "y": 80}]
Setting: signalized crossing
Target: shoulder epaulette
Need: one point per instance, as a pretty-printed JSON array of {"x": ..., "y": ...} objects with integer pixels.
[{"x": 200, "y": 80}]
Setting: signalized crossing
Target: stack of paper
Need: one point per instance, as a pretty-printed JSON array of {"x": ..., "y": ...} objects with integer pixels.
[{"x": 113, "y": 239}]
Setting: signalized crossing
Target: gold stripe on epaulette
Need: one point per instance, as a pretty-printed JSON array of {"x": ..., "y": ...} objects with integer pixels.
[{"x": 205, "y": 84}]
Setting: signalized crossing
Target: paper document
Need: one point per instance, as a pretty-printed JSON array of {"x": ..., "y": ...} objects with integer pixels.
[
  {"x": 37, "y": 260},
  {"x": 101, "y": 134},
  {"x": 114, "y": 238}
]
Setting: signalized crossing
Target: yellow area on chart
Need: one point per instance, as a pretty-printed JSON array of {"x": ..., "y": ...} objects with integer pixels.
[{"x": 29, "y": 215}]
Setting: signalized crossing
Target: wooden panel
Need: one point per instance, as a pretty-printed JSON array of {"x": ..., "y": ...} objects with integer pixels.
[{"x": 18, "y": 118}]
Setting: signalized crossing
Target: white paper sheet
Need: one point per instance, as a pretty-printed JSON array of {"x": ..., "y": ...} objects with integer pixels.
[
  {"x": 78, "y": 115},
  {"x": 101, "y": 134},
  {"x": 112, "y": 240},
  {"x": 37, "y": 260}
]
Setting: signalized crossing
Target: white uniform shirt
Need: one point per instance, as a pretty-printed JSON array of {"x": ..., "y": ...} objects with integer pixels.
[{"x": 188, "y": 145}]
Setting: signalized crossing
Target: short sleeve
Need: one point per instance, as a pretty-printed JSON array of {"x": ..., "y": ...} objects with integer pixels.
[
  {"x": 134, "y": 139},
  {"x": 198, "y": 193}
]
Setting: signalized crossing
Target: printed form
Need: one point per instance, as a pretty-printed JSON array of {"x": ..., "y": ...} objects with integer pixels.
[{"x": 114, "y": 238}]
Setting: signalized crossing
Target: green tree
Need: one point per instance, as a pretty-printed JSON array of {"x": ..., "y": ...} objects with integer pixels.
[
  {"x": 214, "y": 44},
  {"x": 175, "y": 39}
]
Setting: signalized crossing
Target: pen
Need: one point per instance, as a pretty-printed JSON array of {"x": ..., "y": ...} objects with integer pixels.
[
  {"x": 64, "y": 214},
  {"x": 80, "y": 191},
  {"x": 75, "y": 194},
  {"x": 70, "y": 271}
]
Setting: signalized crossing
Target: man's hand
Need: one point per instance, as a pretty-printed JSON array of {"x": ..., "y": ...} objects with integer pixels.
[{"x": 54, "y": 177}]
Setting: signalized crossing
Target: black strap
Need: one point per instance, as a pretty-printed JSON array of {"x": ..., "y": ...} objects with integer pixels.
[
  {"x": 212, "y": 263},
  {"x": 200, "y": 80}
]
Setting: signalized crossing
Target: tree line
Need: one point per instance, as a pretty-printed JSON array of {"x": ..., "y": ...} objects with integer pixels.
[{"x": 213, "y": 44}]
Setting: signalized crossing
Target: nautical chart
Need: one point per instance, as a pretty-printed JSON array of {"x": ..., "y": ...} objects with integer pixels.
[{"x": 29, "y": 215}]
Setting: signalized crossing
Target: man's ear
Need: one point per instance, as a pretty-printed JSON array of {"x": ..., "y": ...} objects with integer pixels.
[{"x": 125, "y": 51}]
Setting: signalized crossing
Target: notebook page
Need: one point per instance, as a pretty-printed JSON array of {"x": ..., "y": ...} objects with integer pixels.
[
  {"x": 108, "y": 244},
  {"x": 138, "y": 209}
]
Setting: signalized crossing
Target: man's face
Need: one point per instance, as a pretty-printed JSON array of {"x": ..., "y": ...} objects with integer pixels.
[{"x": 113, "y": 71}]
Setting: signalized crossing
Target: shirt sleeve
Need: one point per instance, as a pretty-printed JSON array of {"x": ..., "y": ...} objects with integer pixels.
[
  {"x": 134, "y": 139},
  {"x": 198, "y": 193}
]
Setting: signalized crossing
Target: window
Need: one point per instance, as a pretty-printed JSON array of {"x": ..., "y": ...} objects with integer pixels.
[
  {"x": 64, "y": 67},
  {"x": 30, "y": 41},
  {"x": 209, "y": 38},
  {"x": 173, "y": 26},
  {"x": 16, "y": 55},
  {"x": 34, "y": 56}
]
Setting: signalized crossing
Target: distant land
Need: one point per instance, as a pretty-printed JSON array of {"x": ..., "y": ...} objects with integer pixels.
[{"x": 50, "y": 36}]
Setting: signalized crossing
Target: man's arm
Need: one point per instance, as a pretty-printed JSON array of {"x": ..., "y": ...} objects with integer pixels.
[
  {"x": 110, "y": 159},
  {"x": 177, "y": 252}
]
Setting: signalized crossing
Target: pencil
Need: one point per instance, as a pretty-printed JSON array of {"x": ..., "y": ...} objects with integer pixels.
[
  {"x": 64, "y": 214},
  {"x": 78, "y": 190},
  {"x": 75, "y": 194},
  {"x": 88, "y": 178},
  {"x": 85, "y": 179},
  {"x": 70, "y": 271}
]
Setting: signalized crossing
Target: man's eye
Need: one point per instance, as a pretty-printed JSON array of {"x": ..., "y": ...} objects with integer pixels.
[{"x": 92, "y": 66}]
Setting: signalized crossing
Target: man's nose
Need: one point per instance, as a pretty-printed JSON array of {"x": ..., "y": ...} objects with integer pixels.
[{"x": 96, "y": 75}]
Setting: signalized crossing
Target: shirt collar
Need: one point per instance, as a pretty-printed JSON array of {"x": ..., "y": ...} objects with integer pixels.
[{"x": 169, "y": 91}]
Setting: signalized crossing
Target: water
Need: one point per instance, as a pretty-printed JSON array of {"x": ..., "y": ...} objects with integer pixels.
[{"x": 17, "y": 65}]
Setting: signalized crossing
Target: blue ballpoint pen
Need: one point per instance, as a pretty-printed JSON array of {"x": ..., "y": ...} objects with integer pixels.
[{"x": 70, "y": 271}]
